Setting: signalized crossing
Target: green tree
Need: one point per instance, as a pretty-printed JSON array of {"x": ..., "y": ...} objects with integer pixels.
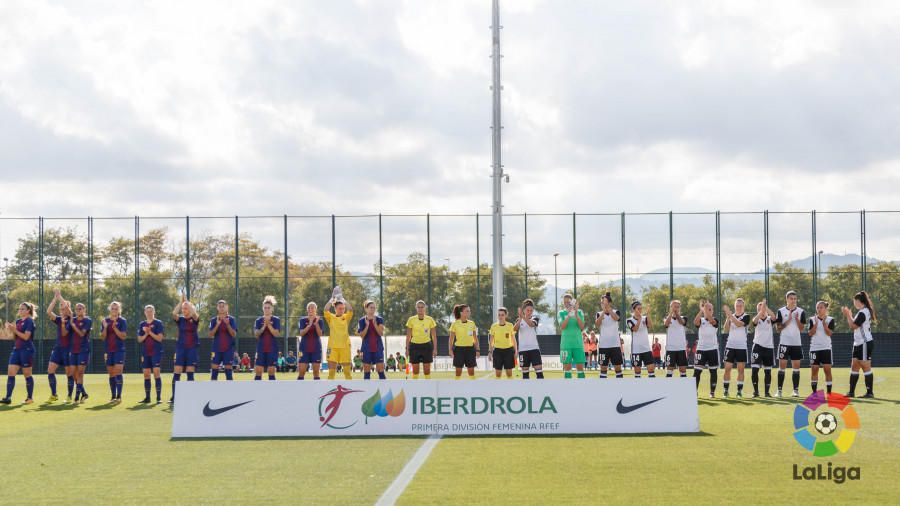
[
  {"x": 65, "y": 255},
  {"x": 481, "y": 301}
]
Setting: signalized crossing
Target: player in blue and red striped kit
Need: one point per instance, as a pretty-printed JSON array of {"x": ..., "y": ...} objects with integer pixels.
[
  {"x": 23, "y": 352},
  {"x": 371, "y": 329},
  {"x": 185, "y": 315},
  {"x": 80, "y": 349},
  {"x": 151, "y": 333},
  {"x": 267, "y": 328},
  {"x": 60, "y": 354},
  {"x": 309, "y": 349},
  {"x": 113, "y": 329},
  {"x": 222, "y": 328}
]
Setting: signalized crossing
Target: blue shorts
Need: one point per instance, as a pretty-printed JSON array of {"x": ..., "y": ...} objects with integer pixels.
[
  {"x": 21, "y": 357},
  {"x": 223, "y": 357},
  {"x": 186, "y": 357},
  {"x": 115, "y": 358},
  {"x": 60, "y": 356},
  {"x": 266, "y": 359},
  {"x": 310, "y": 357},
  {"x": 373, "y": 357},
  {"x": 80, "y": 358},
  {"x": 151, "y": 361}
]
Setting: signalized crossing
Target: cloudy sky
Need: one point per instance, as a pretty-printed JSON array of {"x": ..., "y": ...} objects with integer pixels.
[{"x": 358, "y": 107}]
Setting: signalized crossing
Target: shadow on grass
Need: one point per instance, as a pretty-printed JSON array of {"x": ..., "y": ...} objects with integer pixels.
[
  {"x": 10, "y": 407},
  {"x": 876, "y": 401},
  {"x": 102, "y": 407},
  {"x": 142, "y": 407},
  {"x": 56, "y": 407}
]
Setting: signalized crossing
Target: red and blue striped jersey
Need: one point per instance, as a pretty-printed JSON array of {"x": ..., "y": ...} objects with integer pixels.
[{"x": 187, "y": 333}]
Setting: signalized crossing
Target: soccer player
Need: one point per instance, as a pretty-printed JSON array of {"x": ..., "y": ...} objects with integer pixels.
[
  {"x": 151, "y": 333},
  {"x": 371, "y": 329},
  {"x": 23, "y": 352},
  {"x": 529, "y": 350},
  {"x": 463, "y": 341},
  {"x": 609, "y": 346},
  {"x": 707, "y": 346},
  {"x": 222, "y": 328},
  {"x": 789, "y": 320},
  {"x": 736, "y": 324},
  {"x": 60, "y": 354},
  {"x": 863, "y": 342},
  {"x": 641, "y": 353},
  {"x": 80, "y": 353},
  {"x": 309, "y": 344},
  {"x": 763, "y": 352},
  {"x": 571, "y": 346},
  {"x": 338, "y": 336},
  {"x": 185, "y": 315},
  {"x": 676, "y": 340},
  {"x": 502, "y": 344},
  {"x": 421, "y": 341},
  {"x": 821, "y": 326},
  {"x": 113, "y": 329},
  {"x": 267, "y": 328}
]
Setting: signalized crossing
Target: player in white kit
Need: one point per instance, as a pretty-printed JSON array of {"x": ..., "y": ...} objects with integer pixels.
[
  {"x": 763, "y": 353},
  {"x": 821, "y": 326},
  {"x": 707, "y": 356},
  {"x": 529, "y": 351},
  {"x": 790, "y": 320},
  {"x": 736, "y": 324},
  {"x": 608, "y": 345},
  {"x": 641, "y": 355},
  {"x": 676, "y": 340},
  {"x": 863, "y": 342}
]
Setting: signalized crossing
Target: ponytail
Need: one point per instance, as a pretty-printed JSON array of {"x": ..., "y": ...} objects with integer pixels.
[
  {"x": 863, "y": 297},
  {"x": 607, "y": 296},
  {"x": 458, "y": 309}
]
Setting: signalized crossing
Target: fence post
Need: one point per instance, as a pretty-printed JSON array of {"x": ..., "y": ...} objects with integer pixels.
[
  {"x": 237, "y": 284},
  {"x": 624, "y": 302},
  {"x": 477, "y": 267},
  {"x": 574, "y": 261},
  {"x": 137, "y": 282},
  {"x": 333, "y": 254},
  {"x": 526, "y": 254},
  {"x": 671, "y": 259},
  {"x": 41, "y": 276},
  {"x": 718, "y": 271},
  {"x": 90, "y": 302},
  {"x": 815, "y": 260},
  {"x": 187, "y": 257},
  {"x": 766, "y": 251},
  {"x": 428, "y": 255},
  {"x": 287, "y": 314},
  {"x": 864, "y": 261},
  {"x": 380, "y": 270}
]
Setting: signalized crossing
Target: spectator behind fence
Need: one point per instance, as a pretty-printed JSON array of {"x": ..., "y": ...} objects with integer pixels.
[
  {"x": 280, "y": 364},
  {"x": 291, "y": 362},
  {"x": 391, "y": 363},
  {"x": 245, "y": 363}
]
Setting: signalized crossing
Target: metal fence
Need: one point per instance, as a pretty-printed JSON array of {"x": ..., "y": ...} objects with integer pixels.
[{"x": 631, "y": 252}]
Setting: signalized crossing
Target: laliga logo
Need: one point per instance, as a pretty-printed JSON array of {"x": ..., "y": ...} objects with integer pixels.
[
  {"x": 384, "y": 406},
  {"x": 825, "y": 424}
]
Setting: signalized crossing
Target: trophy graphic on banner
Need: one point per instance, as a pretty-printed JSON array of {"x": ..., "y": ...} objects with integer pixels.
[{"x": 337, "y": 295}]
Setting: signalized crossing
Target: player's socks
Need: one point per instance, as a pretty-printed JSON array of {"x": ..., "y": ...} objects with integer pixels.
[
  {"x": 29, "y": 386},
  {"x": 112, "y": 387},
  {"x": 567, "y": 374},
  {"x": 854, "y": 379},
  {"x": 697, "y": 373},
  {"x": 526, "y": 375},
  {"x": 190, "y": 376},
  {"x": 726, "y": 384},
  {"x": 382, "y": 376},
  {"x": 51, "y": 377},
  {"x": 457, "y": 377},
  {"x": 581, "y": 374},
  {"x": 767, "y": 379},
  {"x": 257, "y": 377},
  {"x": 77, "y": 392},
  {"x": 415, "y": 376},
  {"x": 331, "y": 373},
  {"x": 795, "y": 378},
  {"x": 471, "y": 376},
  {"x": 347, "y": 374},
  {"x": 147, "y": 388},
  {"x": 620, "y": 375},
  {"x": 70, "y": 380},
  {"x": 367, "y": 375},
  {"x": 428, "y": 376},
  {"x": 780, "y": 379},
  {"x": 669, "y": 374},
  {"x": 828, "y": 387},
  {"x": 814, "y": 385},
  {"x": 229, "y": 375},
  {"x": 713, "y": 376},
  {"x": 175, "y": 379},
  {"x": 754, "y": 379},
  {"x": 868, "y": 376},
  {"x": 539, "y": 374},
  {"x": 740, "y": 387},
  {"x": 158, "y": 382},
  {"x": 214, "y": 374},
  {"x": 684, "y": 374},
  {"x": 602, "y": 375},
  {"x": 637, "y": 375},
  {"x": 120, "y": 383},
  {"x": 271, "y": 377},
  {"x": 651, "y": 374}
]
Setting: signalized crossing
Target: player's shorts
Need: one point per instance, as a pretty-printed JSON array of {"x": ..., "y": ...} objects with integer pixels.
[
  {"x": 736, "y": 355},
  {"x": 421, "y": 353},
  {"x": 223, "y": 357},
  {"x": 373, "y": 357},
  {"x": 21, "y": 358},
  {"x": 530, "y": 358},
  {"x": 864, "y": 351},
  {"x": 266, "y": 359},
  {"x": 151, "y": 361},
  {"x": 60, "y": 356},
  {"x": 464, "y": 356},
  {"x": 186, "y": 357},
  {"x": 115, "y": 358},
  {"x": 762, "y": 356},
  {"x": 609, "y": 356},
  {"x": 676, "y": 358},
  {"x": 81, "y": 358},
  {"x": 310, "y": 357},
  {"x": 573, "y": 355},
  {"x": 820, "y": 357},
  {"x": 707, "y": 358},
  {"x": 642, "y": 359},
  {"x": 339, "y": 355},
  {"x": 789, "y": 352},
  {"x": 504, "y": 358}
]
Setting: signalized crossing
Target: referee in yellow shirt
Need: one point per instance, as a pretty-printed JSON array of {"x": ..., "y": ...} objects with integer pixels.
[
  {"x": 421, "y": 340},
  {"x": 502, "y": 342},
  {"x": 338, "y": 336},
  {"x": 463, "y": 341}
]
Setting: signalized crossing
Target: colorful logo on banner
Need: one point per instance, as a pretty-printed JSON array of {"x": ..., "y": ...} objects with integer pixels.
[
  {"x": 818, "y": 428},
  {"x": 335, "y": 398},
  {"x": 384, "y": 406}
]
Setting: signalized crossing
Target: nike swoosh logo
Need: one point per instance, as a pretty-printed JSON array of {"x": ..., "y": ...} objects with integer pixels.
[
  {"x": 208, "y": 411},
  {"x": 623, "y": 409}
]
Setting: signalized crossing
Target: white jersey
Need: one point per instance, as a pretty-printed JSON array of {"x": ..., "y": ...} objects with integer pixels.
[
  {"x": 864, "y": 333},
  {"x": 527, "y": 339},
  {"x": 737, "y": 336},
  {"x": 820, "y": 340},
  {"x": 706, "y": 335},
  {"x": 790, "y": 334},
  {"x": 762, "y": 334},
  {"x": 609, "y": 330},
  {"x": 640, "y": 339},
  {"x": 676, "y": 337}
]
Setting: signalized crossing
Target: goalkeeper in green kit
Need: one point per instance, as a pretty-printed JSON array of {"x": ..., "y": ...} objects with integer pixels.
[{"x": 571, "y": 347}]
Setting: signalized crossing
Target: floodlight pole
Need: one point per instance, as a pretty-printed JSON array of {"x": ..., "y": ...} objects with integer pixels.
[{"x": 497, "y": 176}]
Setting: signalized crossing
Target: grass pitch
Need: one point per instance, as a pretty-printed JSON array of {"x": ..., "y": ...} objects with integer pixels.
[{"x": 100, "y": 453}]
